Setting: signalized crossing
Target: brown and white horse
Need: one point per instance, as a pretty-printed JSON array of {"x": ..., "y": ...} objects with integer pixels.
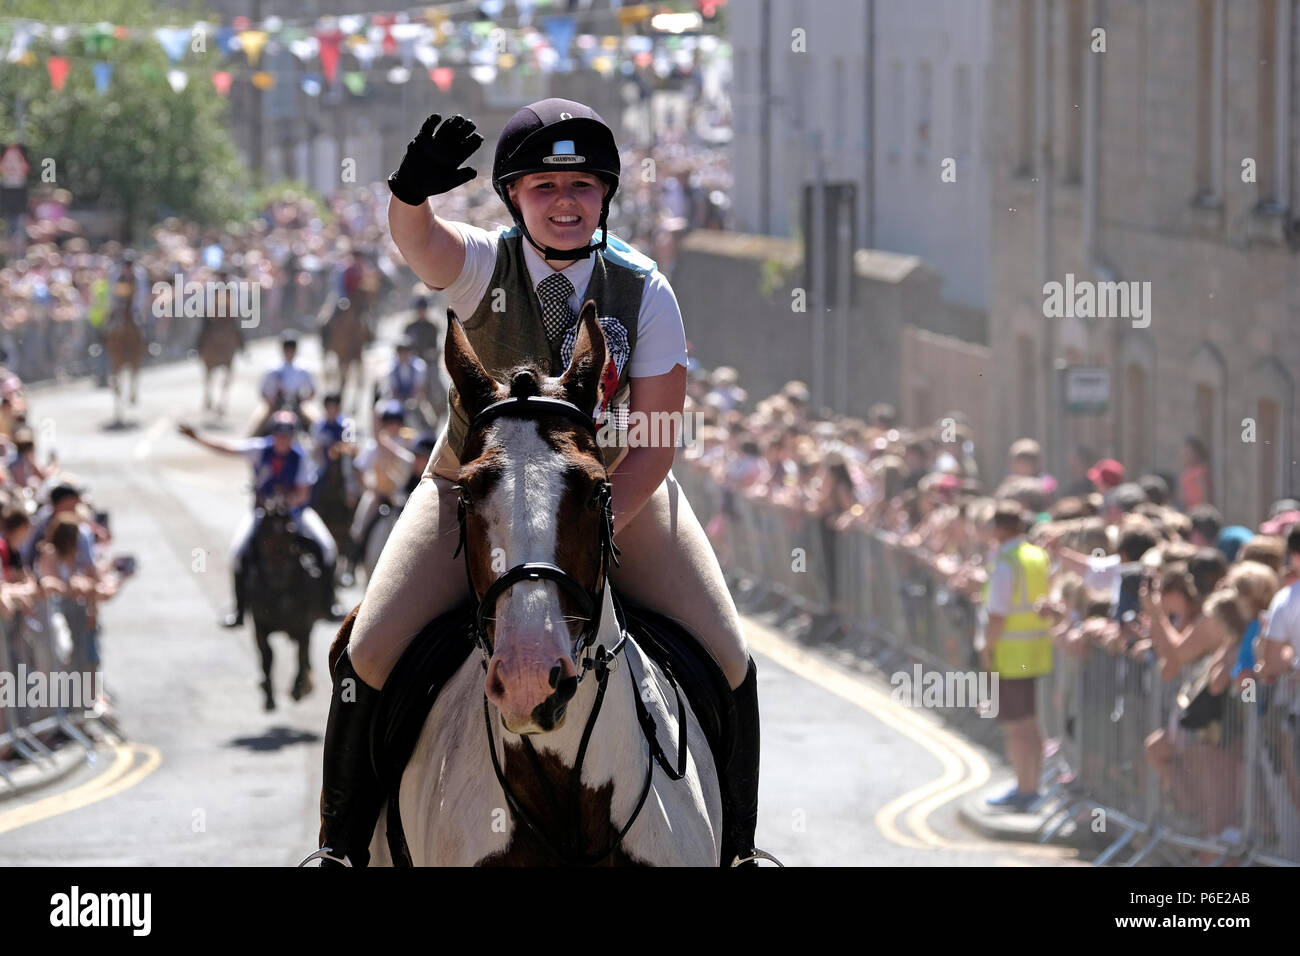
[{"x": 535, "y": 491}]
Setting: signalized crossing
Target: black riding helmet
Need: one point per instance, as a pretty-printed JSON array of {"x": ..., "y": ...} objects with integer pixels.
[{"x": 556, "y": 135}]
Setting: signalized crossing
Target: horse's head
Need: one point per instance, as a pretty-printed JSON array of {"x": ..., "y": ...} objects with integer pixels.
[
  {"x": 276, "y": 535},
  {"x": 534, "y": 490}
]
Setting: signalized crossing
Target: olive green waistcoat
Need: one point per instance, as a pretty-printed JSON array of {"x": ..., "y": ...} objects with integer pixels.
[{"x": 515, "y": 335}]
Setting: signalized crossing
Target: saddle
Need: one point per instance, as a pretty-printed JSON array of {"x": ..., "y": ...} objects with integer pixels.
[{"x": 440, "y": 649}]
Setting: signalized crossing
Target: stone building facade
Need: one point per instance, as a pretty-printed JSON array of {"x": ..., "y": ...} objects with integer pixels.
[{"x": 1152, "y": 142}]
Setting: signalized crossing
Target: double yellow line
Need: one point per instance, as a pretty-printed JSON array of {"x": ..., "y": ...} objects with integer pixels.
[
  {"x": 963, "y": 768},
  {"x": 120, "y": 775}
]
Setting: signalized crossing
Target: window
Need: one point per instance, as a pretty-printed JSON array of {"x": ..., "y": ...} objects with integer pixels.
[
  {"x": 1206, "y": 427},
  {"x": 840, "y": 98},
  {"x": 1135, "y": 440},
  {"x": 741, "y": 93},
  {"x": 1268, "y": 435},
  {"x": 1266, "y": 142},
  {"x": 1025, "y": 90},
  {"x": 1076, "y": 40},
  {"x": 1274, "y": 68},
  {"x": 1208, "y": 101},
  {"x": 897, "y": 135},
  {"x": 962, "y": 112},
  {"x": 1027, "y": 400},
  {"x": 924, "y": 107}
]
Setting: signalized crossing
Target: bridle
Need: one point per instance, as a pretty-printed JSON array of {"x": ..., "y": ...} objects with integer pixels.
[
  {"x": 602, "y": 662},
  {"x": 591, "y": 602}
]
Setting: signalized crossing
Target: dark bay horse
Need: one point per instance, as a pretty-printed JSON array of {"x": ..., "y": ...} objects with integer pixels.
[{"x": 282, "y": 574}]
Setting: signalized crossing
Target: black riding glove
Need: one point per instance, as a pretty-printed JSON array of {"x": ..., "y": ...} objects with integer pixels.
[{"x": 433, "y": 158}]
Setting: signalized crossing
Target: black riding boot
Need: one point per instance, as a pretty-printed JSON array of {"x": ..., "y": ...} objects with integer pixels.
[
  {"x": 237, "y": 619},
  {"x": 740, "y": 777},
  {"x": 329, "y": 600},
  {"x": 351, "y": 796}
]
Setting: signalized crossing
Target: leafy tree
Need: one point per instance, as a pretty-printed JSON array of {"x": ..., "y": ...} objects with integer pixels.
[{"x": 139, "y": 147}]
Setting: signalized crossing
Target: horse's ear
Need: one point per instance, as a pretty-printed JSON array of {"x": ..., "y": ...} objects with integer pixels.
[
  {"x": 581, "y": 380},
  {"x": 476, "y": 388}
]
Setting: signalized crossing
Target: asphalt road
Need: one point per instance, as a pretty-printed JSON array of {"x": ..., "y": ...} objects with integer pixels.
[{"x": 848, "y": 777}]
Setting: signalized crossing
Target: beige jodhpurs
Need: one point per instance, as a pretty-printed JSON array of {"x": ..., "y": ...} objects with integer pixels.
[{"x": 416, "y": 578}]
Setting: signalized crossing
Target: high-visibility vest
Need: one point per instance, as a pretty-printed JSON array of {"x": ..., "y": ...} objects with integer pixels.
[
  {"x": 97, "y": 312},
  {"x": 1025, "y": 647}
]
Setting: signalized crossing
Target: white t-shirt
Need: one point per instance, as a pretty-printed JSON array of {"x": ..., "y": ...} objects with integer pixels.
[
  {"x": 660, "y": 335},
  {"x": 1284, "y": 618},
  {"x": 291, "y": 379},
  {"x": 1002, "y": 581}
]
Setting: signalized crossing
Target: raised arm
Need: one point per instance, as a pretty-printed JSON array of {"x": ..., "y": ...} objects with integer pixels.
[
  {"x": 432, "y": 247},
  {"x": 221, "y": 445}
]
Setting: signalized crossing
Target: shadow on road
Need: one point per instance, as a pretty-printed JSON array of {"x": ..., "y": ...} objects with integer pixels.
[
  {"x": 276, "y": 738},
  {"x": 119, "y": 425}
]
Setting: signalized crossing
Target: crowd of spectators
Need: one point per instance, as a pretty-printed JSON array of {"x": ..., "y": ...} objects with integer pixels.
[
  {"x": 59, "y": 292},
  {"x": 54, "y": 552},
  {"x": 1143, "y": 566}
]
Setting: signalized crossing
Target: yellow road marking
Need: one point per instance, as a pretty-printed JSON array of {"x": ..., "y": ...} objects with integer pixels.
[
  {"x": 119, "y": 776},
  {"x": 963, "y": 768}
]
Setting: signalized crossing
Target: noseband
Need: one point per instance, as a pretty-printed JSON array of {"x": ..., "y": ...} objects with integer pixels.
[{"x": 591, "y": 602}]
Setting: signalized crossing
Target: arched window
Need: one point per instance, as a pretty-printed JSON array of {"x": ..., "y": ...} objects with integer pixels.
[
  {"x": 1271, "y": 407},
  {"x": 1208, "y": 374},
  {"x": 1135, "y": 421}
]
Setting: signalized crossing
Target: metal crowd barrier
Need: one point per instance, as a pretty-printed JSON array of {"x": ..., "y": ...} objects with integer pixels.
[
  {"x": 1231, "y": 790},
  {"x": 55, "y": 641}
]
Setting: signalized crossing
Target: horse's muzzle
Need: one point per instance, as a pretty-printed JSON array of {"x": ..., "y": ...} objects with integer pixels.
[{"x": 531, "y": 700}]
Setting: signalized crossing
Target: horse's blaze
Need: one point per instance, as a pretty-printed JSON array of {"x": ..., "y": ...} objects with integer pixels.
[{"x": 546, "y": 800}]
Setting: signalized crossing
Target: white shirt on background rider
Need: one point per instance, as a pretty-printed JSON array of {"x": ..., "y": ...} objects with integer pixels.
[{"x": 290, "y": 378}]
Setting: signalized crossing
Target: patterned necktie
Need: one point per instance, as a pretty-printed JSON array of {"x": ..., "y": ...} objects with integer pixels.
[{"x": 554, "y": 292}]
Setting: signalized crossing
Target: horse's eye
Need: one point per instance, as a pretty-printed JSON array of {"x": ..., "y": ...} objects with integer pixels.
[{"x": 594, "y": 502}]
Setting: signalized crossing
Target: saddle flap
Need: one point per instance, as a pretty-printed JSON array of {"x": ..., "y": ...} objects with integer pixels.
[
  {"x": 431, "y": 659},
  {"x": 674, "y": 649}
]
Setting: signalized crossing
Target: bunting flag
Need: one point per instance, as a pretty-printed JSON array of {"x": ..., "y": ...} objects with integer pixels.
[
  {"x": 442, "y": 77},
  {"x": 58, "y": 68},
  {"x": 329, "y": 41},
  {"x": 251, "y": 42},
  {"x": 460, "y": 36},
  {"x": 103, "y": 72},
  {"x": 305, "y": 48},
  {"x": 355, "y": 81},
  {"x": 173, "y": 40},
  {"x": 363, "y": 50},
  {"x": 427, "y": 54},
  {"x": 18, "y": 46}
]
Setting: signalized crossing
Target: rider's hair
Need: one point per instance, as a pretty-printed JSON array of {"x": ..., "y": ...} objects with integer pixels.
[
  {"x": 15, "y": 518},
  {"x": 63, "y": 533}
]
